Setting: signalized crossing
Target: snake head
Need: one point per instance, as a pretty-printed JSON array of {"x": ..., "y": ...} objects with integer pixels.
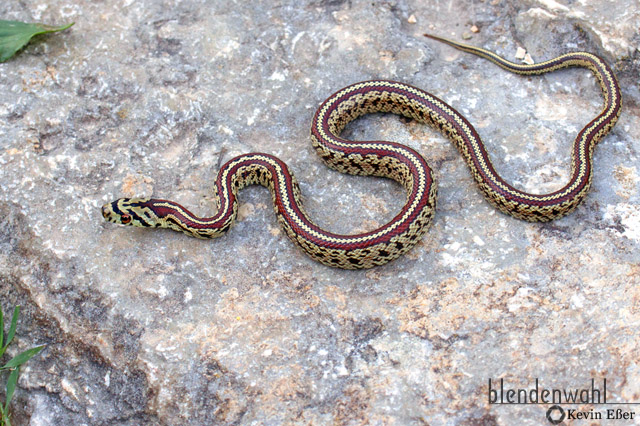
[{"x": 130, "y": 211}]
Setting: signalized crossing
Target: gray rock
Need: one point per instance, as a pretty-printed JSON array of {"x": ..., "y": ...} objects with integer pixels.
[{"x": 149, "y": 98}]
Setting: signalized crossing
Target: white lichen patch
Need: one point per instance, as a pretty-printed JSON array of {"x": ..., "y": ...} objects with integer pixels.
[
  {"x": 628, "y": 215},
  {"x": 553, "y": 5},
  {"x": 628, "y": 180},
  {"x": 550, "y": 109}
]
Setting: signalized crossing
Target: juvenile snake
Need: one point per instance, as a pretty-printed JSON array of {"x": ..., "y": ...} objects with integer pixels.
[{"x": 386, "y": 159}]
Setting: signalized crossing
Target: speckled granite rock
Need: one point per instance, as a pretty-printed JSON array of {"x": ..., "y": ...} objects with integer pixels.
[{"x": 150, "y": 97}]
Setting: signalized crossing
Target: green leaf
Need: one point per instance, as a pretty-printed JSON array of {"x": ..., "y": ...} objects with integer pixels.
[
  {"x": 12, "y": 329},
  {"x": 14, "y": 35},
  {"x": 14, "y": 323},
  {"x": 23, "y": 357},
  {"x": 11, "y": 387}
]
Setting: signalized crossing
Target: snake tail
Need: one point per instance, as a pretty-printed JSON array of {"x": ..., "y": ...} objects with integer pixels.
[{"x": 545, "y": 207}]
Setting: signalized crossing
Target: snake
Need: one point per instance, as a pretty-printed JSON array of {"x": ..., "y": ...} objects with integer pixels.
[{"x": 389, "y": 160}]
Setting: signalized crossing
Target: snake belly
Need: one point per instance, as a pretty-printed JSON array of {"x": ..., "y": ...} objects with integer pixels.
[{"x": 389, "y": 160}]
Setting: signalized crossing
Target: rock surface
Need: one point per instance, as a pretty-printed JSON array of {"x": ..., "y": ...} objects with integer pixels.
[{"x": 150, "y": 97}]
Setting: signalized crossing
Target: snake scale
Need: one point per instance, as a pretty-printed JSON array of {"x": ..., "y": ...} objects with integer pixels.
[{"x": 389, "y": 160}]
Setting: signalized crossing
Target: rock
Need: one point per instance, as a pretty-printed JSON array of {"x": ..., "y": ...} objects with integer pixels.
[{"x": 152, "y": 327}]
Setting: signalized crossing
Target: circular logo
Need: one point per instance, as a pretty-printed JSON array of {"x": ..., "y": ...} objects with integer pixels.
[{"x": 553, "y": 419}]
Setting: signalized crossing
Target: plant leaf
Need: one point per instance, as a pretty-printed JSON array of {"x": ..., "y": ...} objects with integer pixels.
[
  {"x": 12, "y": 329},
  {"x": 11, "y": 387},
  {"x": 14, "y": 35},
  {"x": 23, "y": 357},
  {"x": 14, "y": 324}
]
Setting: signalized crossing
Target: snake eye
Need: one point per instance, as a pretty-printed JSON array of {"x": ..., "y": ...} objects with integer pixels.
[{"x": 125, "y": 218}]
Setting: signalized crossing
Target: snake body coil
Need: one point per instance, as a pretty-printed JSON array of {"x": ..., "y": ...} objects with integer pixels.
[{"x": 385, "y": 159}]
